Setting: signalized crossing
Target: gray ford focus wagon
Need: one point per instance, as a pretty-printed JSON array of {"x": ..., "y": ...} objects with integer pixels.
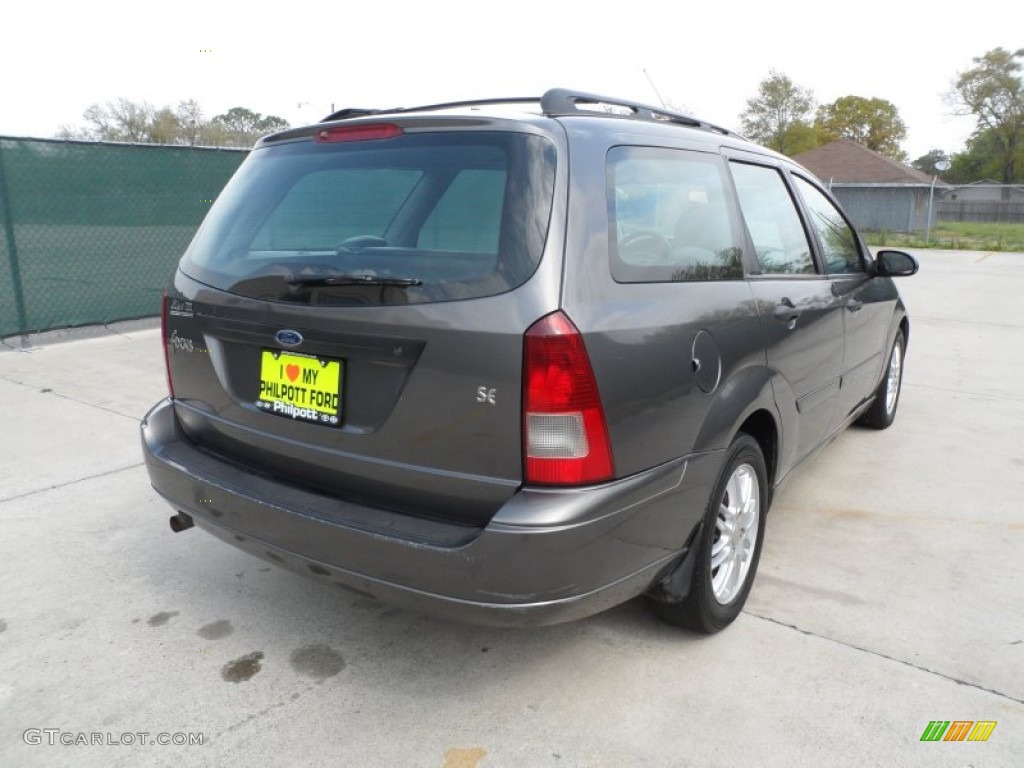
[{"x": 516, "y": 361}]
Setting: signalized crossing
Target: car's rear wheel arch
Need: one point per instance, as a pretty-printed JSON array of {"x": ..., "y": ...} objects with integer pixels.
[{"x": 761, "y": 426}]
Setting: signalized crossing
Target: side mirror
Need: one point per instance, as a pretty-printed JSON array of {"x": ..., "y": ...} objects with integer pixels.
[{"x": 895, "y": 264}]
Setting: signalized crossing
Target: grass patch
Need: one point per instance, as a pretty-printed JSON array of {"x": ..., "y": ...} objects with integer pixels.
[{"x": 956, "y": 235}]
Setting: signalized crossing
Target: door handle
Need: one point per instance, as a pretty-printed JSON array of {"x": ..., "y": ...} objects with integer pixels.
[
  {"x": 853, "y": 305},
  {"x": 786, "y": 313}
]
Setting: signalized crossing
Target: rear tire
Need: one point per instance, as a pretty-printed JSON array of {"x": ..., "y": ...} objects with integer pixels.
[
  {"x": 728, "y": 545},
  {"x": 882, "y": 412}
]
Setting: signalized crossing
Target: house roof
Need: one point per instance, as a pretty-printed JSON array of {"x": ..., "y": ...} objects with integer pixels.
[{"x": 847, "y": 161}]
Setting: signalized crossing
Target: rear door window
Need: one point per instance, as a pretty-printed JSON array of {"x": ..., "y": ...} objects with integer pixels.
[
  {"x": 416, "y": 218},
  {"x": 670, "y": 218}
]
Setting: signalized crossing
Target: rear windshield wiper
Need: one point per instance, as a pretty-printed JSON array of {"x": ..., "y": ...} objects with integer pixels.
[{"x": 328, "y": 280}]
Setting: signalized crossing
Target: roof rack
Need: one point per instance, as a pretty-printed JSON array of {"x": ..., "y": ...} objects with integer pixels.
[
  {"x": 557, "y": 102},
  {"x": 562, "y": 101}
]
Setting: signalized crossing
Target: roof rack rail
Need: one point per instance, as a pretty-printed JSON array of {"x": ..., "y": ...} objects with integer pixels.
[
  {"x": 345, "y": 114},
  {"x": 556, "y": 102},
  {"x": 563, "y": 101}
]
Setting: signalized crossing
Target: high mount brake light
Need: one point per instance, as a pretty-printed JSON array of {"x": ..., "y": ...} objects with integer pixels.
[
  {"x": 565, "y": 436},
  {"x": 365, "y": 132}
]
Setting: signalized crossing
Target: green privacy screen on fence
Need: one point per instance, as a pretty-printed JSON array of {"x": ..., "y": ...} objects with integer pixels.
[{"x": 90, "y": 232}]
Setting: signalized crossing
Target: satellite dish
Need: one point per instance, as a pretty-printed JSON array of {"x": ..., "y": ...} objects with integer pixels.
[{"x": 942, "y": 165}]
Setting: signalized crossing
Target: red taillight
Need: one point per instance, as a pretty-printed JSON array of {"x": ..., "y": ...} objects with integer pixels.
[
  {"x": 368, "y": 132},
  {"x": 565, "y": 438},
  {"x": 166, "y": 343}
]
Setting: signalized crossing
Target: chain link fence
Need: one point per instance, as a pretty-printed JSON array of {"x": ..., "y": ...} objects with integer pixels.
[{"x": 91, "y": 232}]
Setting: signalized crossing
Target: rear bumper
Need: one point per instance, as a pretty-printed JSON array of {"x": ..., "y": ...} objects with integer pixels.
[{"x": 546, "y": 557}]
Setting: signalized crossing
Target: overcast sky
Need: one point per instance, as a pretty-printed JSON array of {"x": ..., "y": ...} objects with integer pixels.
[{"x": 298, "y": 59}]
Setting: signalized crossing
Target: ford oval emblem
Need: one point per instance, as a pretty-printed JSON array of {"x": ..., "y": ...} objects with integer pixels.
[{"x": 288, "y": 338}]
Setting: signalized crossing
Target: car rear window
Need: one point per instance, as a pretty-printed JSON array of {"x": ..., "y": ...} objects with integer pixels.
[{"x": 417, "y": 218}]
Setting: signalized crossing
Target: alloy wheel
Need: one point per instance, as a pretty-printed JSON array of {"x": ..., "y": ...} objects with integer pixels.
[{"x": 732, "y": 548}]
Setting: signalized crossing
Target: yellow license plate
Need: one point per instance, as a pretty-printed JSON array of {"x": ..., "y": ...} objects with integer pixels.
[{"x": 301, "y": 387}]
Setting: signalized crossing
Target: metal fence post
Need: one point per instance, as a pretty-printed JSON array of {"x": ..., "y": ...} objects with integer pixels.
[
  {"x": 928, "y": 225},
  {"x": 12, "y": 248}
]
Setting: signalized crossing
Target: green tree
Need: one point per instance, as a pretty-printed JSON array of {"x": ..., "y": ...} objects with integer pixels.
[
  {"x": 926, "y": 163},
  {"x": 778, "y": 116},
  {"x": 981, "y": 159},
  {"x": 239, "y": 120},
  {"x": 242, "y": 127},
  {"x": 800, "y": 137},
  {"x": 993, "y": 92},
  {"x": 873, "y": 122},
  {"x": 164, "y": 127}
]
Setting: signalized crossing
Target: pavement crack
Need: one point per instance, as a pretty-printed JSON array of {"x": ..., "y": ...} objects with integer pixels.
[
  {"x": 961, "y": 321},
  {"x": 905, "y": 663},
  {"x": 72, "y": 399},
  {"x": 100, "y": 407},
  {"x": 72, "y": 482},
  {"x": 255, "y": 716},
  {"x": 988, "y": 395},
  {"x": 106, "y": 326}
]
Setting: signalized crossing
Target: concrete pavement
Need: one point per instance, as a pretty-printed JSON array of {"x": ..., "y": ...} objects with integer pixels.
[{"x": 889, "y": 595}]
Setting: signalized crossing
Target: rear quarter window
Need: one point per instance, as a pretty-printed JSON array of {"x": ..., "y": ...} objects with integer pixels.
[{"x": 670, "y": 217}]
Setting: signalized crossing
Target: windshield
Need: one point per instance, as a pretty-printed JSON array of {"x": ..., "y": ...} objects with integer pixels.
[{"x": 416, "y": 218}]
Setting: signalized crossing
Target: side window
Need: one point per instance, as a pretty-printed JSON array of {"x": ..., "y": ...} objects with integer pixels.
[
  {"x": 669, "y": 217},
  {"x": 772, "y": 220},
  {"x": 839, "y": 247}
]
